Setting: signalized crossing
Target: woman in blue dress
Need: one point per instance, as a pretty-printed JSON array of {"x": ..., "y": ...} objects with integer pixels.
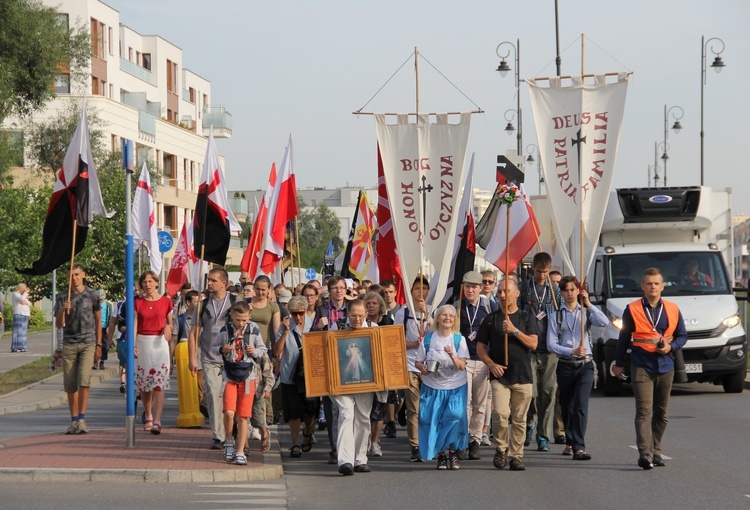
[{"x": 443, "y": 424}]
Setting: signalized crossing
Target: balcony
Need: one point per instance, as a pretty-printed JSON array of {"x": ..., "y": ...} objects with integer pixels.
[
  {"x": 146, "y": 123},
  {"x": 220, "y": 119},
  {"x": 137, "y": 71}
]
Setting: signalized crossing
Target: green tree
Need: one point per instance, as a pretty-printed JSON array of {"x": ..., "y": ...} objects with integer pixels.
[
  {"x": 36, "y": 45},
  {"x": 317, "y": 227}
]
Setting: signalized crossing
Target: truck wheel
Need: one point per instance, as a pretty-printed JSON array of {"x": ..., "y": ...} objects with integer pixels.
[
  {"x": 612, "y": 386},
  {"x": 734, "y": 383}
]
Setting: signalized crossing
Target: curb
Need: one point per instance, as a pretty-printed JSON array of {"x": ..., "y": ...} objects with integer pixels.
[
  {"x": 271, "y": 470},
  {"x": 57, "y": 399}
]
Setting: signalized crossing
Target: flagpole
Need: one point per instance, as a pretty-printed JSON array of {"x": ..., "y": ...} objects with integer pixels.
[
  {"x": 580, "y": 179},
  {"x": 421, "y": 327},
  {"x": 299, "y": 255},
  {"x": 507, "y": 264},
  {"x": 291, "y": 265},
  {"x": 72, "y": 260}
]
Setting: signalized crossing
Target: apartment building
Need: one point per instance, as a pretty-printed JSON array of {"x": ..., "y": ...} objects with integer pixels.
[{"x": 142, "y": 91}]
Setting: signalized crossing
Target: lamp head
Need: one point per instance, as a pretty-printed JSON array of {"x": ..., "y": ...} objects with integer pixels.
[
  {"x": 503, "y": 68},
  {"x": 718, "y": 64}
]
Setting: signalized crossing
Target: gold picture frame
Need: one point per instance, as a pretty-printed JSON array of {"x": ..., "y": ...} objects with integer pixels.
[{"x": 350, "y": 361}]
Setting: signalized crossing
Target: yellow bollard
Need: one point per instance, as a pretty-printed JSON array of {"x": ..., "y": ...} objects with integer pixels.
[{"x": 187, "y": 390}]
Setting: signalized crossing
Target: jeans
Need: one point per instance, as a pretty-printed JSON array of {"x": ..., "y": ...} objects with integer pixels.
[{"x": 575, "y": 382}]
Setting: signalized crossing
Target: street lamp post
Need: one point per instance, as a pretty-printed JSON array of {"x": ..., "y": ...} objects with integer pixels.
[
  {"x": 677, "y": 127},
  {"x": 717, "y": 65},
  {"x": 503, "y": 69},
  {"x": 532, "y": 149}
]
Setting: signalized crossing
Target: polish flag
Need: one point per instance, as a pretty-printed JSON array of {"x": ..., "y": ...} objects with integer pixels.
[
  {"x": 492, "y": 230},
  {"x": 251, "y": 258},
  {"x": 386, "y": 253},
  {"x": 282, "y": 209},
  {"x": 144, "y": 221},
  {"x": 184, "y": 257}
]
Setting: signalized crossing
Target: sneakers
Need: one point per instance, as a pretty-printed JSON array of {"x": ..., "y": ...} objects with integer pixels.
[
  {"x": 376, "y": 451},
  {"x": 658, "y": 461},
  {"x": 346, "y": 469},
  {"x": 333, "y": 458},
  {"x": 542, "y": 444},
  {"x": 517, "y": 464},
  {"x": 82, "y": 428},
  {"x": 415, "y": 455},
  {"x": 568, "y": 450},
  {"x": 529, "y": 433},
  {"x": 362, "y": 468},
  {"x": 474, "y": 451},
  {"x": 485, "y": 440},
  {"x": 442, "y": 462},
  {"x": 461, "y": 454},
  {"x": 560, "y": 439},
  {"x": 229, "y": 454},
  {"x": 453, "y": 462},
  {"x": 645, "y": 461},
  {"x": 215, "y": 444},
  {"x": 122, "y": 387},
  {"x": 500, "y": 460},
  {"x": 73, "y": 429}
]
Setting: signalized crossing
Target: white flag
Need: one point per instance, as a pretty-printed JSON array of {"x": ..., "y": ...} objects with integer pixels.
[
  {"x": 578, "y": 129},
  {"x": 144, "y": 220},
  {"x": 423, "y": 166}
]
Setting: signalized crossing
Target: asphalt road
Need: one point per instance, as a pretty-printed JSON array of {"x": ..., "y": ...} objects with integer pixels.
[{"x": 708, "y": 467}]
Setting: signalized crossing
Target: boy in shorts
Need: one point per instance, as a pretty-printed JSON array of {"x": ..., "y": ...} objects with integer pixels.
[{"x": 242, "y": 347}]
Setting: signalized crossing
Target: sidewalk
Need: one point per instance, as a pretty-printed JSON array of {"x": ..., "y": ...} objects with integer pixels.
[{"x": 176, "y": 455}]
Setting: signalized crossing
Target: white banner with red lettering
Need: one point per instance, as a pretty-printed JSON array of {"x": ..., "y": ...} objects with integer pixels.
[
  {"x": 578, "y": 129},
  {"x": 423, "y": 166}
]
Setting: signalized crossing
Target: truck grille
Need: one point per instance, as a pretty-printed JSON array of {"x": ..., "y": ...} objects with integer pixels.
[
  {"x": 706, "y": 333},
  {"x": 695, "y": 355}
]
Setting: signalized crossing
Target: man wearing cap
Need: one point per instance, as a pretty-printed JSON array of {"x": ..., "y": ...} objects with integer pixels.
[{"x": 473, "y": 308}]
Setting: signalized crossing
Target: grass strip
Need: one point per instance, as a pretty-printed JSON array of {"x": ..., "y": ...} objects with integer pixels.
[{"x": 24, "y": 375}]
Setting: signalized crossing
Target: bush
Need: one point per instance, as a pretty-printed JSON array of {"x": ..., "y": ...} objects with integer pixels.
[{"x": 36, "y": 321}]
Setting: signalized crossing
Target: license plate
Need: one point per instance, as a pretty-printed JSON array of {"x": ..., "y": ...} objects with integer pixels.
[{"x": 693, "y": 368}]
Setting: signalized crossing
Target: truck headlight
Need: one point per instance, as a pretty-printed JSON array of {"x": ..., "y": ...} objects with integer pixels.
[
  {"x": 616, "y": 321},
  {"x": 731, "y": 322}
]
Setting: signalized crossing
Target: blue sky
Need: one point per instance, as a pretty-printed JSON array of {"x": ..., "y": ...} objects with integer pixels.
[{"x": 302, "y": 67}]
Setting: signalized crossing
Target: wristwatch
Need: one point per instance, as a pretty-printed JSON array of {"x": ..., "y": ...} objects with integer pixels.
[{"x": 515, "y": 333}]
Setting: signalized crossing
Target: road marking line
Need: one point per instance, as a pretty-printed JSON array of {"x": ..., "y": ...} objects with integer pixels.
[{"x": 277, "y": 486}]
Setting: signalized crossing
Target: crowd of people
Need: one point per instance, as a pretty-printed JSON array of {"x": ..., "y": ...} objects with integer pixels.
[{"x": 509, "y": 361}]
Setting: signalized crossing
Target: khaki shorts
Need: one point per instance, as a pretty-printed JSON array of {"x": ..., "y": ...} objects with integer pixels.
[{"x": 77, "y": 362}]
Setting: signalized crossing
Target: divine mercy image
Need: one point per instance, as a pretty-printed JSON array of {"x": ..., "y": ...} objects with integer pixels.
[{"x": 355, "y": 361}]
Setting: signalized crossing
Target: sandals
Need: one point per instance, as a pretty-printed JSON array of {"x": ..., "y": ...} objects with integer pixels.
[
  {"x": 581, "y": 455},
  {"x": 307, "y": 442},
  {"x": 240, "y": 459},
  {"x": 265, "y": 442},
  {"x": 295, "y": 452},
  {"x": 229, "y": 454},
  {"x": 148, "y": 424},
  {"x": 156, "y": 429}
]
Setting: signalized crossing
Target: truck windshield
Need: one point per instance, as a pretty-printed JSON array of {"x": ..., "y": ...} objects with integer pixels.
[{"x": 684, "y": 273}]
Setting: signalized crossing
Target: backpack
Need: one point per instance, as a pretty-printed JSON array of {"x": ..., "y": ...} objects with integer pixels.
[
  {"x": 428, "y": 339},
  {"x": 238, "y": 371},
  {"x": 205, "y": 314}
]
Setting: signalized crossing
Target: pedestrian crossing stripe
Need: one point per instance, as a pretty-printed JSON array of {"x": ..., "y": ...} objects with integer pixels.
[{"x": 665, "y": 457}]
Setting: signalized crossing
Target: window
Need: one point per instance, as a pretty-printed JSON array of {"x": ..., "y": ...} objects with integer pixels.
[
  {"x": 138, "y": 58},
  {"x": 111, "y": 91},
  {"x": 169, "y": 170},
  {"x": 94, "y": 86},
  {"x": 111, "y": 42},
  {"x": 130, "y": 54},
  {"x": 14, "y": 141},
  {"x": 62, "y": 84},
  {"x": 98, "y": 36},
  {"x": 170, "y": 217},
  {"x": 192, "y": 95},
  {"x": 147, "y": 61},
  {"x": 63, "y": 20},
  {"x": 171, "y": 76}
]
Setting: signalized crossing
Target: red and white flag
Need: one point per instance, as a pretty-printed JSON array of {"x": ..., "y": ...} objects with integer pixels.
[
  {"x": 252, "y": 256},
  {"x": 385, "y": 246},
  {"x": 578, "y": 129},
  {"x": 184, "y": 257},
  {"x": 281, "y": 210},
  {"x": 144, "y": 220},
  {"x": 213, "y": 222},
  {"x": 492, "y": 231}
]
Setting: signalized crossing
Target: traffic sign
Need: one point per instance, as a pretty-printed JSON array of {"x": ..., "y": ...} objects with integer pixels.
[
  {"x": 311, "y": 274},
  {"x": 166, "y": 241}
]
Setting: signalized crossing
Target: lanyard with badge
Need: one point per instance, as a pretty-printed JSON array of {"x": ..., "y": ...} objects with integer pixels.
[
  {"x": 216, "y": 328},
  {"x": 572, "y": 327},
  {"x": 660, "y": 343},
  {"x": 473, "y": 333},
  {"x": 540, "y": 302}
]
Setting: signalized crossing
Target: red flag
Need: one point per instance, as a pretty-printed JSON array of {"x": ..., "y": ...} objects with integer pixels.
[
  {"x": 492, "y": 231},
  {"x": 183, "y": 256},
  {"x": 386, "y": 253},
  {"x": 75, "y": 197},
  {"x": 281, "y": 210},
  {"x": 213, "y": 222},
  {"x": 251, "y": 258}
]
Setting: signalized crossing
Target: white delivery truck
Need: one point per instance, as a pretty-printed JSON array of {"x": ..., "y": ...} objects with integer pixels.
[{"x": 673, "y": 229}]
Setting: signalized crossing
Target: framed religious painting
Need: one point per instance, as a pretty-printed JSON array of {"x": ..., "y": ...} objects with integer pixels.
[{"x": 345, "y": 362}]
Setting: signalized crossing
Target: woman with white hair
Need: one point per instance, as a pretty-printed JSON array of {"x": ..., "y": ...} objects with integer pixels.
[
  {"x": 441, "y": 358},
  {"x": 21, "y": 315}
]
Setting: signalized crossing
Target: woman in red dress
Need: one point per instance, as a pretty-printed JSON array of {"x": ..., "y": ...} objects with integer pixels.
[{"x": 153, "y": 326}]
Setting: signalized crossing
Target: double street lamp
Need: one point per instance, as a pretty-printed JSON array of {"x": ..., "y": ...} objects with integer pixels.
[
  {"x": 503, "y": 69},
  {"x": 717, "y": 65},
  {"x": 676, "y": 127}
]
